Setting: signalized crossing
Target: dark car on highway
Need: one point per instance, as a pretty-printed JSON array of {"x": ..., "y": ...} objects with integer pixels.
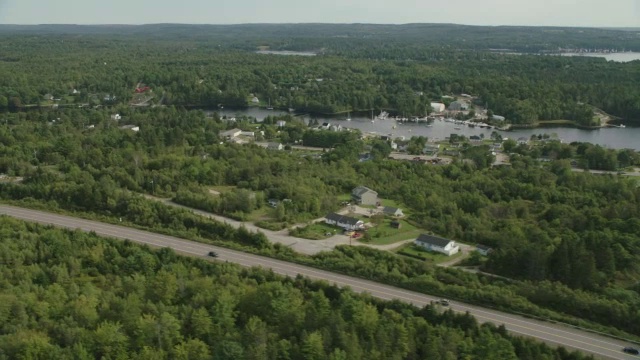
[
  {"x": 632, "y": 351},
  {"x": 213, "y": 254}
]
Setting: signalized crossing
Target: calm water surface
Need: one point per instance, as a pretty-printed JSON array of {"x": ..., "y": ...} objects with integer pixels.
[
  {"x": 438, "y": 130},
  {"x": 617, "y": 57}
]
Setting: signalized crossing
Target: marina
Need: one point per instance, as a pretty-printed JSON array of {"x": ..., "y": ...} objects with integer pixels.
[{"x": 440, "y": 128}]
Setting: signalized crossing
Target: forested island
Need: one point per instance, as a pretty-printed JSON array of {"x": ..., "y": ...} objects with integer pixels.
[{"x": 102, "y": 122}]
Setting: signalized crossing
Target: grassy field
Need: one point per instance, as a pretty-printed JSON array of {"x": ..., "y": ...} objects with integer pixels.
[
  {"x": 392, "y": 203},
  {"x": 384, "y": 234},
  {"x": 315, "y": 231},
  {"x": 264, "y": 213}
]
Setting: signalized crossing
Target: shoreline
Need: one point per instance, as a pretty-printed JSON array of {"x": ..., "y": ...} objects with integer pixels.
[{"x": 556, "y": 123}]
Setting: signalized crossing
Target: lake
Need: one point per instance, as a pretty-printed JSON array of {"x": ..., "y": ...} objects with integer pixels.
[
  {"x": 617, "y": 138},
  {"x": 286, "y": 52},
  {"x": 617, "y": 57}
]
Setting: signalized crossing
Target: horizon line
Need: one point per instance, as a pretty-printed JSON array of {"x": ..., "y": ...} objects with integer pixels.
[{"x": 322, "y": 23}]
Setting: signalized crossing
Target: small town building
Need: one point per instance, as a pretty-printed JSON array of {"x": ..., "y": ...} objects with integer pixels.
[
  {"x": 325, "y": 126},
  {"x": 116, "y": 117},
  {"x": 130, "y": 127},
  {"x": 437, "y": 244},
  {"x": 362, "y": 195},
  {"x": 430, "y": 149},
  {"x": 230, "y": 134},
  {"x": 437, "y": 107},
  {"x": 396, "y": 224},
  {"x": 458, "y": 106},
  {"x": 392, "y": 211},
  {"x": 238, "y": 140},
  {"x": 255, "y": 100},
  {"x": 344, "y": 222},
  {"x": 484, "y": 250}
]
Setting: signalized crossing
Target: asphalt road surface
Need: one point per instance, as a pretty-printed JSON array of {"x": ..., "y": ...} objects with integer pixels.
[{"x": 599, "y": 346}]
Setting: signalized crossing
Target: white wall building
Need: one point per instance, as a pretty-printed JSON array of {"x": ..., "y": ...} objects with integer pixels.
[
  {"x": 438, "y": 244},
  {"x": 437, "y": 107}
]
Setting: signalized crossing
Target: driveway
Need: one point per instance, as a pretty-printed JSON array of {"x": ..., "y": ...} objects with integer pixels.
[
  {"x": 465, "y": 250},
  {"x": 304, "y": 246}
]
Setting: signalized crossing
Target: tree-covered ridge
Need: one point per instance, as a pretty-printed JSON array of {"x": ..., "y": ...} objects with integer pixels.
[
  {"x": 352, "y": 74},
  {"x": 72, "y": 295},
  {"x": 536, "y": 217},
  {"x": 318, "y": 36}
]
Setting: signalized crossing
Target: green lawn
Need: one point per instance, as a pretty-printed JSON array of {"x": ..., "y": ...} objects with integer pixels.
[
  {"x": 414, "y": 251},
  {"x": 315, "y": 231},
  {"x": 392, "y": 203},
  {"x": 384, "y": 234},
  {"x": 260, "y": 214}
]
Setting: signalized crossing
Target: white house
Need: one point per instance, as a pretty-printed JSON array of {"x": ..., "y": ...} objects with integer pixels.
[
  {"x": 362, "y": 195},
  {"x": 116, "y": 117},
  {"x": 438, "y": 107},
  {"x": 345, "y": 222},
  {"x": 130, "y": 127},
  {"x": 274, "y": 146},
  {"x": 281, "y": 123},
  {"x": 255, "y": 100},
  {"x": 247, "y": 133},
  {"x": 271, "y": 145},
  {"x": 438, "y": 244},
  {"x": 391, "y": 211}
]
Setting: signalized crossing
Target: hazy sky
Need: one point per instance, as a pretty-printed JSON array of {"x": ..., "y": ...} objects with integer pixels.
[{"x": 611, "y": 13}]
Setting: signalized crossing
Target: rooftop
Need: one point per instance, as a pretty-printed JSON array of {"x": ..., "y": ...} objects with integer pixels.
[{"x": 433, "y": 240}]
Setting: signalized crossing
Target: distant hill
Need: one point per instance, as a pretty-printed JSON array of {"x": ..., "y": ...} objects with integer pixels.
[{"x": 517, "y": 38}]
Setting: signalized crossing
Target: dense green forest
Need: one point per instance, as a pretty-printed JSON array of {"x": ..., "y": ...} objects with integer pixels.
[
  {"x": 373, "y": 68},
  {"x": 568, "y": 239},
  {"x": 326, "y": 36},
  {"x": 72, "y": 295}
]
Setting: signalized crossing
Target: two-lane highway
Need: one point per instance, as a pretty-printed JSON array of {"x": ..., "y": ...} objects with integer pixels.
[{"x": 600, "y": 346}]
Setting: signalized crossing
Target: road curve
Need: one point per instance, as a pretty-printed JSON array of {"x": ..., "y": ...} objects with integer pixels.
[{"x": 599, "y": 346}]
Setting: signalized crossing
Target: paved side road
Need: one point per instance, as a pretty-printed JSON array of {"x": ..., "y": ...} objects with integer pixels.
[
  {"x": 303, "y": 246},
  {"x": 600, "y": 346}
]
